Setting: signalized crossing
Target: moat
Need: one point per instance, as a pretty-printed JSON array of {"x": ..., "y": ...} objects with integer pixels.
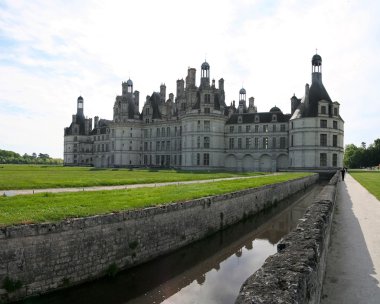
[{"x": 208, "y": 271}]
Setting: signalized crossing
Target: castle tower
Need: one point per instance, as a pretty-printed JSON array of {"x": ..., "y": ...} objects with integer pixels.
[
  {"x": 80, "y": 106},
  {"x": 127, "y": 87},
  {"x": 242, "y": 100},
  {"x": 205, "y": 74}
]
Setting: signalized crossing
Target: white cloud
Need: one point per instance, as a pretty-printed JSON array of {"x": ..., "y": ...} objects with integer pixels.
[{"x": 53, "y": 51}]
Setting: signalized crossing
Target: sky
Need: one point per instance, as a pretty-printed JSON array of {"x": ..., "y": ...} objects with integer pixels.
[{"x": 53, "y": 51}]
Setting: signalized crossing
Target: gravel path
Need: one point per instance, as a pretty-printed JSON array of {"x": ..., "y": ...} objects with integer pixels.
[
  {"x": 118, "y": 187},
  {"x": 353, "y": 261}
]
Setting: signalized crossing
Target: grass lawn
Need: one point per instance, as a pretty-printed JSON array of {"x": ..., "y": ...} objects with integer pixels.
[
  {"x": 47, "y": 207},
  {"x": 38, "y": 177},
  {"x": 369, "y": 180}
]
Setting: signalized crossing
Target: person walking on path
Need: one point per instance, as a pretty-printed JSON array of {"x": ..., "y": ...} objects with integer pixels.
[{"x": 343, "y": 172}]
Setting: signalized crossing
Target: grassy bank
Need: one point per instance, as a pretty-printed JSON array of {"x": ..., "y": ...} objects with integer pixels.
[
  {"x": 40, "y": 177},
  {"x": 54, "y": 207},
  {"x": 369, "y": 180}
]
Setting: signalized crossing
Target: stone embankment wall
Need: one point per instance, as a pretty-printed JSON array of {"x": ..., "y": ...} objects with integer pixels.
[
  {"x": 38, "y": 258},
  {"x": 295, "y": 273}
]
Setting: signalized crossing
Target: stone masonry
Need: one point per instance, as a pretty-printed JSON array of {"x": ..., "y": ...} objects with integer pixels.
[{"x": 38, "y": 258}]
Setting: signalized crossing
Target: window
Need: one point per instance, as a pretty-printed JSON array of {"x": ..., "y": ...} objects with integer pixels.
[
  {"x": 163, "y": 145},
  {"x": 256, "y": 143},
  {"x": 323, "y": 123},
  {"x": 335, "y": 124},
  {"x": 239, "y": 129},
  {"x": 335, "y": 111},
  {"x": 147, "y": 111},
  {"x": 323, "y": 109},
  {"x": 282, "y": 128},
  {"x": 207, "y": 110},
  {"x": 199, "y": 125},
  {"x": 323, "y": 159},
  {"x": 206, "y": 142},
  {"x": 145, "y": 146},
  {"x": 175, "y": 131},
  {"x": 265, "y": 143},
  {"x": 239, "y": 143},
  {"x": 274, "y": 128},
  {"x": 207, "y": 98},
  {"x": 247, "y": 128},
  {"x": 163, "y": 132},
  {"x": 247, "y": 142},
  {"x": 256, "y": 129},
  {"x": 335, "y": 160},
  {"x": 282, "y": 142},
  {"x": 240, "y": 119},
  {"x": 274, "y": 143},
  {"x": 323, "y": 140},
  {"x": 198, "y": 142},
  {"x": 335, "y": 140},
  {"x": 206, "y": 159},
  {"x": 158, "y": 132},
  {"x": 231, "y": 143},
  {"x": 198, "y": 159},
  {"x": 158, "y": 146},
  {"x": 292, "y": 141},
  {"x": 257, "y": 119},
  {"x": 274, "y": 117},
  {"x": 168, "y": 131},
  {"x": 168, "y": 145},
  {"x": 206, "y": 125},
  {"x": 157, "y": 159},
  {"x": 265, "y": 128},
  {"x": 231, "y": 129}
]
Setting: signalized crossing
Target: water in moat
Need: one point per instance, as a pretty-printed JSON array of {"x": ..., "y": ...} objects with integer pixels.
[{"x": 209, "y": 271}]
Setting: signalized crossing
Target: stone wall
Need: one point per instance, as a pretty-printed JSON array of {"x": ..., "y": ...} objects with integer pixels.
[
  {"x": 38, "y": 258},
  {"x": 295, "y": 273}
]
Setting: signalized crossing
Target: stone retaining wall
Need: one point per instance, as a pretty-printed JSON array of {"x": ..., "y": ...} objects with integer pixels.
[
  {"x": 295, "y": 273},
  {"x": 38, "y": 258}
]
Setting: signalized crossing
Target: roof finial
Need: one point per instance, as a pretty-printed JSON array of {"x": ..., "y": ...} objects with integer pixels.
[{"x": 316, "y": 51}]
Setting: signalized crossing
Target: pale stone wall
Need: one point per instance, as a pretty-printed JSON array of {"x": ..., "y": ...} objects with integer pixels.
[
  {"x": 46, "y": 257},
  {"x": 295, "y": 274}
]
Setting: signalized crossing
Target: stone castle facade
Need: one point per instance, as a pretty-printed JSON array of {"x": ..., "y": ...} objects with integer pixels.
[{"x": 197, "y": 130}]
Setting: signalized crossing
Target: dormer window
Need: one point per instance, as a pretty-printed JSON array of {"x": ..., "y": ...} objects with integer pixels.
[
  {"x": 335, "y": 111},
  {"x": 240, "y": 119},
  {"x": 257, "y": 119},
  {"x": 274, "y": 117},
  {"x": 323, "y": 109}
]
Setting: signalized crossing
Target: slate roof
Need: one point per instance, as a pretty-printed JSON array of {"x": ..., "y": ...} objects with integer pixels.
[{"x": 264, "y": 117}]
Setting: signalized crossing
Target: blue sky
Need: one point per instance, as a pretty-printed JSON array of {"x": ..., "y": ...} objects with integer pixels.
[{"x": 53, "y": 51}]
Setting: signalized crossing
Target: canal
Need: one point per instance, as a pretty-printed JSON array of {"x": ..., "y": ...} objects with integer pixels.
[{"x": 209, "y": 271}]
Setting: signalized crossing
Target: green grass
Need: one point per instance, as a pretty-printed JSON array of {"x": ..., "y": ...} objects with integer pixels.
[
  {"x": 48, "y": 207},
  {"x": 39, "y": 177},
  {"x": 369, "y": 180}
]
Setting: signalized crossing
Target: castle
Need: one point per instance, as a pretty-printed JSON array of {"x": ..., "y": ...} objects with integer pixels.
[{"x": 197, "y": 130}]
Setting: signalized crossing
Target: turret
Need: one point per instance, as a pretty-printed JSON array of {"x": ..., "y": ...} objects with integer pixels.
[
  {"x": 127, "y": 87},
  {"x": 316, "y": 68},
  {"x": 205, "y": 74},
  {"x": 80, "y": 106}
]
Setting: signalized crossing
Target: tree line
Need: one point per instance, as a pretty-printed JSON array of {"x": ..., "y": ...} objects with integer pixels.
[
  {"x": 10, "y": 157},
  {"x": 363, "y": 156}
]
